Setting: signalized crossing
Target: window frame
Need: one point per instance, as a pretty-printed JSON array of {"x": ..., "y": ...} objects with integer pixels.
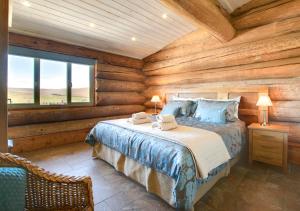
[{"x": 37, "y": 55}]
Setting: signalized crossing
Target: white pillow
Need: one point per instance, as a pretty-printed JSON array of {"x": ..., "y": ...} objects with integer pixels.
[
  {"x": 185, "y": 99},
  {"x": 236, "y": 99}
]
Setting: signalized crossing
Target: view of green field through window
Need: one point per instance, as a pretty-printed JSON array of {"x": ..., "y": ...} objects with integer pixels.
[
  {"x": 80, "y": 83},
  {"x": 20, "y": 80},
  {"x": 53, "y": 81}
]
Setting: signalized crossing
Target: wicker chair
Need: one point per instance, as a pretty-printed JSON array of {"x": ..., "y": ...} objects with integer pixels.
[{"x": 48, "y": 191}]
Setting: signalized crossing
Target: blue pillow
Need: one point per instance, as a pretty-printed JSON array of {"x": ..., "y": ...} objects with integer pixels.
[
  {"x": 12, "y": 188},
  {"x": 211, "y": 111},
  {"x": 171, "y": 108},
  {"x": 185, "y": 108},
  {"x": 232, "y": 113}
]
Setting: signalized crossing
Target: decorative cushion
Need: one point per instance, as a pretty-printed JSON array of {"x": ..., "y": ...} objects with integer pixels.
[
  {"x": 211, "y": 111},
  {"x": 12, "y": 188},
  {"x": 193, "y": 102},
  {"x": 171, "y": 108},
  {"x": 177, "y": 108},
  {"x": 185, "y": 107}
]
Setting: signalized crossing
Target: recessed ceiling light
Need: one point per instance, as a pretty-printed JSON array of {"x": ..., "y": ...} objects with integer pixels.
[
  {"x": 92, "y": 25},
  {"x": 164, "y": 16},
  {"x": 133, "y": 39},
  {"x": 26, "y": 3}
]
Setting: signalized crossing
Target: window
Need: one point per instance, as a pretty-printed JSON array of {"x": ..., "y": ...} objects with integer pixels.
[
  {"x": 80, "y": 83},
  {"x": 38, "y": 78},
  {"x": 20, "y": 80},
  {"x": 53, "y": 82}
]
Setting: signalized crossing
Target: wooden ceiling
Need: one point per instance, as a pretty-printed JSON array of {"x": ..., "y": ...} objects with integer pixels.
[{"x": 107, "y": 25}]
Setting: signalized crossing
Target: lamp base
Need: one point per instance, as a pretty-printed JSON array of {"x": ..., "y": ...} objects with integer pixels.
[{"x": 264, "y": 124}]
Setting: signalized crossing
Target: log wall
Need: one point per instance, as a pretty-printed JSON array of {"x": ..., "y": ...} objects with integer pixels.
[
  {"x": 37, "y": 136},
  {"x": 119, "y": 84},
  {"x": 3, "y": 74},
  {"x": 265, "y": 51}
]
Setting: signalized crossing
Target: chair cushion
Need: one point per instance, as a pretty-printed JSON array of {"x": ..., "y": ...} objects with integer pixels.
[{"x": 12, "y": 188}]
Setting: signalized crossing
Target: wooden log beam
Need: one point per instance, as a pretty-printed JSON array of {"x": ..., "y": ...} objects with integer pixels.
[
  {"x": 206, "y": 14},
  {"x": 199, "y": 41},
  {"x": 284, "y": 46},
  {"x": 3, "y": 74},
  {"x": 285, "y": 111},
  {"x": 252, "y": 5},
  {"x": 38, "y": 136},
  {"x": 285, "y": 92},
  {"x": 104, "y": 85},
  {"x": 55, "y": 127},
  {"x": 226, "y": 61},
  {"x": 273, "y": 13},
  {"x": 27, "y": 144},
  {"x": 117, "y": 69},
  {"x": 285, "y": 68},
  {"x": 205, "y": 88},
  {"x": 121, "y": 76},
  {"x": 35, "y": 116},
  {"x": 120, "y": 98}
]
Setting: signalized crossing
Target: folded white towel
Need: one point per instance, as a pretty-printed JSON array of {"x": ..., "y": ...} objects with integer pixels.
[
  {"x": 139, "y": 121},
  {"x": 140, "y": 115},
  {"x": 165, "y": 125},
  {"x": 165, "y": 118}
]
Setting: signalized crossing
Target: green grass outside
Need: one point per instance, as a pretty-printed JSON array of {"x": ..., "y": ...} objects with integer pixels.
[{"x": 47, "y": 96}]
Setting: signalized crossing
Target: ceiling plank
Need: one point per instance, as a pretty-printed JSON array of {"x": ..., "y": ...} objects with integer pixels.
[
  {"x": 106, "y": 25},
  {"x": 204, "y": 13}
]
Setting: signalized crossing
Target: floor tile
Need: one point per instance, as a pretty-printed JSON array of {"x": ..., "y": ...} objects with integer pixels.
[
  {"x": 102, "y": 207},
  {"x": 257, "y": 187}
]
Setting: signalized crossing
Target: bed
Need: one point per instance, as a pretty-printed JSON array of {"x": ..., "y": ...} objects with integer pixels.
[{"x": 164, "y": 166}]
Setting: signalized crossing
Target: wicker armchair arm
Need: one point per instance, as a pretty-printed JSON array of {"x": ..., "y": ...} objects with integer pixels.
[{"x": 50, "y": 191}]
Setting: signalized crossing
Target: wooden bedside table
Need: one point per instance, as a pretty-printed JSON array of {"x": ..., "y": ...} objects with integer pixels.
[{"x": 268, "y": 144}]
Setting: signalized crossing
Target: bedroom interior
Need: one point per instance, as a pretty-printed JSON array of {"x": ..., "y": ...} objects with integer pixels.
[{"x": 150, "y": 105}]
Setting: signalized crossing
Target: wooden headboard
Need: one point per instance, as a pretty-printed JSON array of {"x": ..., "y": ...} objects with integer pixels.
[{"x": 248, "y": 111}]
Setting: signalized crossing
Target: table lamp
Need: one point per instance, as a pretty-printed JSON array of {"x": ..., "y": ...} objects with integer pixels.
[
  {"x": 155, "y": 99},
  {"x": 264, "y": 102}
]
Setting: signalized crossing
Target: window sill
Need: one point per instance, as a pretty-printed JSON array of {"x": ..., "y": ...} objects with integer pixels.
[{"x": 40, "y": 107}]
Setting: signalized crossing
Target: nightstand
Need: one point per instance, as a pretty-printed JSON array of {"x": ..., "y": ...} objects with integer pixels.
[{"x": 268, "y": 144}]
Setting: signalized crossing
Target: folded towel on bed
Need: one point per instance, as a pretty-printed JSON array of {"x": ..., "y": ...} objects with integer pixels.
[
  {"x": 165, "y": 118},
  {"x": 139, "y": 121},
  {"x": 165, "y": 125},
  {"x": 140, "y": 115}
]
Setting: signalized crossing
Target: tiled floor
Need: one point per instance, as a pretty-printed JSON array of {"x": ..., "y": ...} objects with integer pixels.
[{"x": 257, "y": 187}]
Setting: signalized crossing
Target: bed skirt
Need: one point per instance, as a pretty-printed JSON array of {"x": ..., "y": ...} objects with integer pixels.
[{"x": 154, "y": 181}]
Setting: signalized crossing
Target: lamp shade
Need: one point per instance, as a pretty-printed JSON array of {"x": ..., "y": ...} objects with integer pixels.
[
  {"x": 264, "y": 100},
  {"x": 155, "y": 99}
]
